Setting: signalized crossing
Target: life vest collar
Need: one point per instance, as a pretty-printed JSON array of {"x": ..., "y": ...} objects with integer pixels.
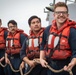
[
  {"x": 38, "y": 34},
  {"x": 66, "y": 24},
  {"x": 2, "y": 28}
]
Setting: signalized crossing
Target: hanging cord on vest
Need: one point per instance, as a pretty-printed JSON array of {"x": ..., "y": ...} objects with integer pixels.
[{"x": 53, "y": 70}]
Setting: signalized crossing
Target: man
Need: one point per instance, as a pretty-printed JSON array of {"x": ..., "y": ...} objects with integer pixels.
[
  {"x": 14, "y": 43},
  {"x": 32, "y": 46},
  {"x": 3, "y": 35},
  {"x": 59, "y": 41}
]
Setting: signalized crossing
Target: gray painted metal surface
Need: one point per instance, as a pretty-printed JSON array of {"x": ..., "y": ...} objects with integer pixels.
[{"x": 72, "y": 13}]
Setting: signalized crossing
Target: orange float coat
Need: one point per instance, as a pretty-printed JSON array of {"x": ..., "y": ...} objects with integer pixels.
[
  {"x": 13, "y": 42},
  {"x": 34, "y": 41},
  {"x": 2, "y": 40},
  {"x": 58, "y": 44}
]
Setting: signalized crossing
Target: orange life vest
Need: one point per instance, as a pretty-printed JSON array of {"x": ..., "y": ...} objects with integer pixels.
[
  {"x": 2, "y": 40},
  {"x": 13, "y": 43},
  {"x": 58, "y": 45},
  {"x": 34, "y": 41}
]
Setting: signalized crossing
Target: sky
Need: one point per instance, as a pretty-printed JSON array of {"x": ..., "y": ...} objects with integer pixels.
[{"x": 22, "y": 10}]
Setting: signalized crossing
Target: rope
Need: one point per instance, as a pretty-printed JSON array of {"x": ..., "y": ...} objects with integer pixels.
[
  {"x": 20, "y": 69},
  {"x": 13, "y": 68},
  {"x": 10, "y": 67},
  {"x": 37, "y": 61},
  {"x": 27, "y": 72},
  {"x": 58, "y": 71},
  {"x": 53, "y": 70},
  {"x": 1, "y": 61},
  {"x": 3, "y": 65}
]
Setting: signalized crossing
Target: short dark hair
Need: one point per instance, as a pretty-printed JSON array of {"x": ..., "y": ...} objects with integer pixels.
[
  {"x": 31, "y": 18},
  {"x": 13, "y": 22},
  {"x": 61, "y": 4}
]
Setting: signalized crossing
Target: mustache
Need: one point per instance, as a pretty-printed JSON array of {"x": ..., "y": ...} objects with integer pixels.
[
  {"x": 13, "y": 29},
  {"x": 37, "y": 26},
  {"x": 61, "y": 17}
]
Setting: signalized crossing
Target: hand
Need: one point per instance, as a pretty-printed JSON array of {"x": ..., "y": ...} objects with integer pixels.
[
  {"x": 32, "y": 63},
  {"x": 7, "y": 60},
  {"x": 22, "y": 65},
  {"x": 43, "y": 63},
  {"x": 1, "y": 59},
  {"x": 70, "y": 65}
]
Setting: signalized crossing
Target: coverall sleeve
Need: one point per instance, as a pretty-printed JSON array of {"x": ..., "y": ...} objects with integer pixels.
[
  {"x": 72, "y": 41},
  {"x": 44, "y": 37},
  {"x": 23, "y": 50},
  {"x": 5, "y": 34},
  {"x": 23, "y": 45}
]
